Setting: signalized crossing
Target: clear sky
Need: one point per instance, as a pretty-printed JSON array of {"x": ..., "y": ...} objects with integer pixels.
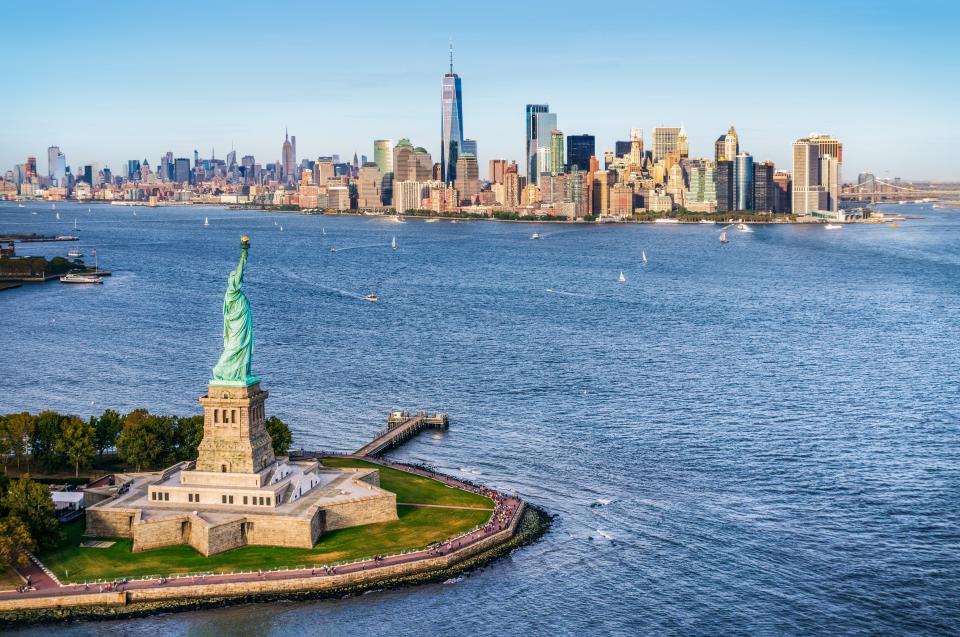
[{"x": 111, "y": 81}]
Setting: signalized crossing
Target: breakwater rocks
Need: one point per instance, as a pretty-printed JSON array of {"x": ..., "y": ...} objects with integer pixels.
[{"x": 531, "y": 525}]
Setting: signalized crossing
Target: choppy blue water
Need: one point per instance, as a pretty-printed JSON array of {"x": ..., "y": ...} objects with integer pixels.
[{"x": 757, "y": 438}]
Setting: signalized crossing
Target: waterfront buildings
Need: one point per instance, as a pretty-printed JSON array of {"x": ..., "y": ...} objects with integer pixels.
[
  {"x": 701, "y": 194},
  {"x": 408, "y": 195},
  {"x": 451, "y": 125},
  {"x": 580, "y": 148},
  {"x": 497, "y": 168},
  {"x": 817, "y": 162},
  {"x": 369, "y": 184}
]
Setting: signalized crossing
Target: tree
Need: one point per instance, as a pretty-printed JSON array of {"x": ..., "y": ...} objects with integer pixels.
[
  {"x": 76, "y": 442},
  {"x": 279, "y": 434},
  {"x": 188, "y": 432},
  {"x": 145, "y": 439},
  {"x": 44, "y": 440},
  {"x": 106, "y": 429},
  {"x": 17, "y": 432},
  {"x": 14, "y": 541},
  {"x": 31, "y": 502}
]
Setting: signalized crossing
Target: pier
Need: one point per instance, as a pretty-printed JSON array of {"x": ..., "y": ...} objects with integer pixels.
[{"x": 401, "y": 426}]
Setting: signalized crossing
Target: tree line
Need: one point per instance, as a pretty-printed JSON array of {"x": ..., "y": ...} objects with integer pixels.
[{"x": 50, "y": 441}]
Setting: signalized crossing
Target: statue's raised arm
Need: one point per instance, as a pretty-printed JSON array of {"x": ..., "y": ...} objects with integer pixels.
[{"x": 233, "y": 368}]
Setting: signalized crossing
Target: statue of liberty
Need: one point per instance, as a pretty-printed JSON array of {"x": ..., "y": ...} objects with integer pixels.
[{"x": 233, "y": 368}]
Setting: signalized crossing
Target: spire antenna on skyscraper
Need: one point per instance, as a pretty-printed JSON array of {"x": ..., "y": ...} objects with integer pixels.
[{"x": 451, "y": 55}]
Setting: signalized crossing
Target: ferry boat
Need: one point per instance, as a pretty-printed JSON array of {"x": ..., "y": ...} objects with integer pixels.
[
  {"x": 833, "y": 226},
  {"x": 535, "y": 235},
  {"x": 81, "y": 278},
  {"x": 371, "y": 297},
  {"x": 621, "y": 278},
  {"x": 74, "y": 253}
]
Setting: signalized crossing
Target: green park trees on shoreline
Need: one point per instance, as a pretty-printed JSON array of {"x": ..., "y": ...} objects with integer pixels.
[{"x": 50, "y": 442}]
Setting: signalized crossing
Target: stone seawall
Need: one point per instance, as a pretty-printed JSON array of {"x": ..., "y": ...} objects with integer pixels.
[{"x": 529, "y": 525}]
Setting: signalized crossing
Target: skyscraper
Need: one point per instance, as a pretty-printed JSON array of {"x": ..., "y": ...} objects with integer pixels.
[
  {"x": 763, "y": 193},
  {"x": 556, "y": 152},
  {"x": 469, "y": 146},
  {"x": 383, "y": 155},
  {"x": 665, "y": 141},
  {"x": 451, "y": 124},
  {"x": 636, "y": 146},
  {"x": 497, "y": 169},
  {"x": 133, "y": 169},
  {"x": 723, "y": 176},
  {"x": 580, "y": 148},
  {"x": 530, "y": 147},
  {"x": 181, "y": 169},
  {"x": 468, "y": 178},
  {"x": 743, "y": 172},
  {"x": 817, "y": 161},
  {"x": 56, "y": 165},
  {"x": 286, "y": 159},
  {"x": 621, "y": 148}
]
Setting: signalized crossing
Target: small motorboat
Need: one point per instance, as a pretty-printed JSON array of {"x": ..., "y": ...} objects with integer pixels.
[
  {"x": 833, "y": 226},
  {"x": 535, "y": 235},
  {"x": 74, "y": 253},
  {"x": 81, "y": 278},
  {"x": 371, "y": 297},
  {"x": 742, "y": 227},
  {"x": 333, "y": 249}
]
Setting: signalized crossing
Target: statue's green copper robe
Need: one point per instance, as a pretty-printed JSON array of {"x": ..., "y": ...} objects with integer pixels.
[{"x": 234, "y": 365}]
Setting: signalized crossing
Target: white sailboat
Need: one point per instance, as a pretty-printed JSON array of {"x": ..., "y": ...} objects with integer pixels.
[
  {"x": 281, "y": 227},
  {"x": 75, "y": 225},
  {"x": 723, "y": 237},
  {"x": 206, "y": 222},
  {"x": 643, "y": 253},
  {"x": 323, "y": 231},
  {"x": 58, "y": 216},
  {"x": 393, "y": 243},
  {"x": 621, "y": 278}
]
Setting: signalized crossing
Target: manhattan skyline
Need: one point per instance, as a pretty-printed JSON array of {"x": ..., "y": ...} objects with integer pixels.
[{"x": 143, "y": 93}]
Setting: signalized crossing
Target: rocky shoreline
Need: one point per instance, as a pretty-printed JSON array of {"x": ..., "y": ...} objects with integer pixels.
[{"x": 533, "y": 525}]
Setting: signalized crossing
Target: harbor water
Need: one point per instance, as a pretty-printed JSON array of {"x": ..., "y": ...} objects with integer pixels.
[{"x": 758, "y": 437}]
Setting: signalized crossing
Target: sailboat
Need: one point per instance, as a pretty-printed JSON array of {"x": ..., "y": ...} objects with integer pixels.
[
  {"x": 723, "y": 237},
  {"x": 281, "y": 227},
  {"x": 206, "y": 222},
  {"x": 53, "y": 206},
  {"x": 75, "y": 225},
  {"x": 621, "y": 278},
  {"x": 643, "y": 253},
  {"x": 393, "y": 243},
  {"x": 323, "y": 231},
  {"x": 58, "y": 216}
]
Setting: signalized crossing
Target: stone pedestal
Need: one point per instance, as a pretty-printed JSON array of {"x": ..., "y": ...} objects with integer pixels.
[{"x": 235, "y": 439}]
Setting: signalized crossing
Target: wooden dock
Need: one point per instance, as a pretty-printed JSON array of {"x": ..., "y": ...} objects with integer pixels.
[{"x": 402, "y": 426}]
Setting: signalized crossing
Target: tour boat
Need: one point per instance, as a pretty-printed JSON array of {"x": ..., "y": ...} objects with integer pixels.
[
  {"x": 393, "y": 243},
  {"x": 371, "y": 297},
  {"x": 644, "y": 255},
  {"x": 535, "y": 235},
  {"x": 74, "y": 252},
  {"x": 206, "y": 222},
  {"x": 742, "y": 227},
  {"x": 833, "y": 226},
  {"x": 431, "y": 220},
  {"x": 621, "y": 278},
  {"x": 723, "y": 237},
  {"x": 81, "y": 278}
]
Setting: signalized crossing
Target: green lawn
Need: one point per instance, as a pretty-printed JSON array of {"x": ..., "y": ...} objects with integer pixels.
[
  {"x": 414, "y": 489},
  {"x": 417, "y": 528}
]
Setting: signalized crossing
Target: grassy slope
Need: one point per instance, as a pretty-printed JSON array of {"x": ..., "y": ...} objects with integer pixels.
[
  {"x": 413, "y": 489},
  {"x": 9, "y": 580},
  {"x": 416, "y": 528}
]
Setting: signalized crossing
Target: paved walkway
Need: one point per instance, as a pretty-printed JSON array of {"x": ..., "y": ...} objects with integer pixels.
[{"x": 503, "y": 515}]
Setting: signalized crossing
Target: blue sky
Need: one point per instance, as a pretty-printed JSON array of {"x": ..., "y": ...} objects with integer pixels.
[{"x": 112, "y": 81}]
